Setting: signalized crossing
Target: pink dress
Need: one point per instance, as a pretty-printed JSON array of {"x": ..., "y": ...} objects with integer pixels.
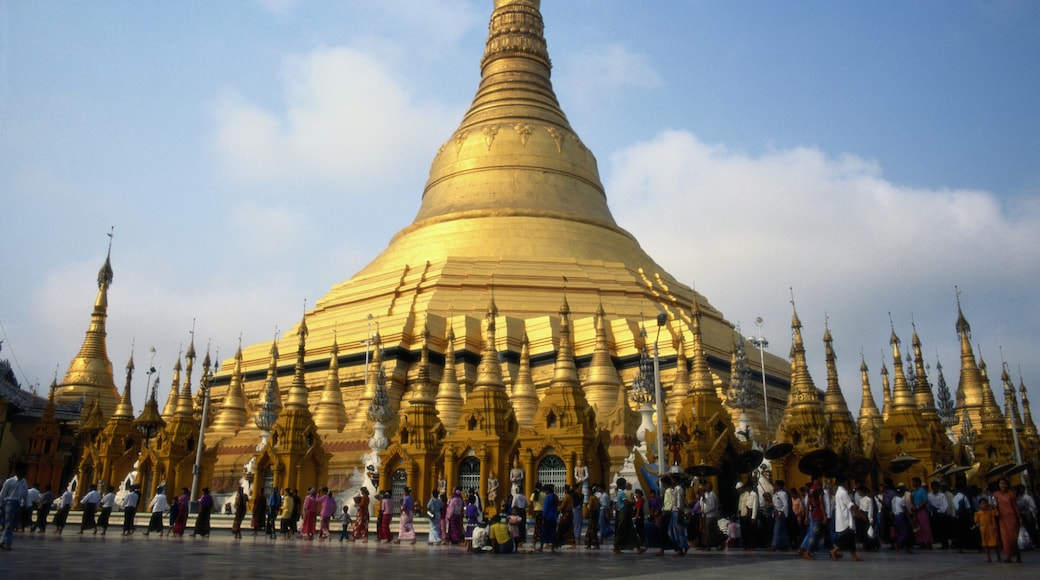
[{"x": 310, "y": 515}]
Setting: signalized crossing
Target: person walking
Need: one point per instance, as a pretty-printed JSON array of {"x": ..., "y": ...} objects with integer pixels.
[
  {"x": 62, "y": 515},
  {"x": 310, "y": 514},
  {"x": 12, "y": 499},
  {"x": 550, "y": 516},
  {"x": 386, "y": 515},
  {"x": 361, "y": 520},
  {"x": 671, "y": 515},
  {"x": 406, "y": 528},
  {"x": 327, "y": 509},
  {"x": 89, "y": 503},
  {"x": 158, "y": 506},
  {"x": 32, "y": 498},
  {"x": 259, "y": 520},
  {"x": 108, "y": 503},
  {"x": 202, "y": 524},
  {"x": 433, "y": 509},
  {"x": 288, "y": 521},
  {"x": 1008, "y": 519},
  {"x": 709, "y": 517},
  {"x": 625, "y": 538},
  {"x": 43, "y": 509},
  {"x": 781, "y": 511},
  {"x": 183, "y": 505},
  {"x": 844, "y": 530},
  {"x": 274, "y": 505},
  {"x": 455, "y": 512},
  {"x": 239, "y": 507},
  {"x": 130, "y": 501}
]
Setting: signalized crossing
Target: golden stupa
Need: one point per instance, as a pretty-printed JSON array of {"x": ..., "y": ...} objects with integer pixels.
[{"x": 514, "y": 214}]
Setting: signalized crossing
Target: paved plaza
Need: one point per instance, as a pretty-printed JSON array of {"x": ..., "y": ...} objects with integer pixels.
[{"x": 220, "y": 556}]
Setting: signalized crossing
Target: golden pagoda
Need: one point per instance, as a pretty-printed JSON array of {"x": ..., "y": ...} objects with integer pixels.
[
  {"x": 870, "y": 421},
  {"x": 89, "y": 376},
  {"x": 841, "y": 431},
  {"x": 514, "y": 205},
  {"x": 803, "y": 424},
  {"x": 905, "y": 432}
]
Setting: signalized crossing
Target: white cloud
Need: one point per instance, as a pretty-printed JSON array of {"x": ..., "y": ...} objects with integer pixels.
[
  {"x": 592, "y": 75},
  {"x": 346, "y": 122},
  {"x": 852, "y": 244}
]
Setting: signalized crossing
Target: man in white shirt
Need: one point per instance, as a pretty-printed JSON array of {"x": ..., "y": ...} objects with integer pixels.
[
  {"x": 12, "y": 500},
  {"x": 158, "y": 506},
  {"x": 866, "y": 530},
  {"x": 32, "y": 498},
  {"x": 844, "y": 532},
  {"x": 130, "y": 510},
  {"x": 710, "y": 513},
  {"x": 108, "y": 503},
  {"x": 89, "y": 504},
  {"x": 938, "y": 507}
]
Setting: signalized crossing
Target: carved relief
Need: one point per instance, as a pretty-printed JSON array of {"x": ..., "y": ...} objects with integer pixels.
[
  {"x": 460, "y": 139},
  {"x": 489, "y": 134},
  {"x": 524, "y": 131},
  {"x": 558, "y": 136}
]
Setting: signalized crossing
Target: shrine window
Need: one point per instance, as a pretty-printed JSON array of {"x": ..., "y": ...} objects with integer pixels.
[
  {"x": 469, "y": 474},
  {"x": 398, "y": 481},
  {"x": 551, "y": 470}
]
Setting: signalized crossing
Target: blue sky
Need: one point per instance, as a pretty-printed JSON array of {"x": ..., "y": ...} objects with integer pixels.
[{"x": 252, "y": 154}]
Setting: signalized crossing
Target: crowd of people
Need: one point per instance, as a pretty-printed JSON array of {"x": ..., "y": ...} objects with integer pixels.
[{"x": 839, "y": 517}]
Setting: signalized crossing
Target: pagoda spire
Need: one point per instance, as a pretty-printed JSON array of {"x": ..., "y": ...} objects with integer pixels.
[
  {"x": 449, "y": 392},
  {"x": 125, "y": 409},
  {"x": 489, "y": 371},
  {"x": 175, "y": 391},
  {"x": 89, "y": 375},
  {"x": 297, "y": 399},
  {"x": 923, "y": 396},
  {"x": 330, "y": 413},
  {"x": 1028, "y": 426},
  {"x": 1012, "y": 420},
  {"x": 870, "y": 420},
  {"x": 185, "y": 406},
  {"x": 271, "y": 398},
  {"x": 886, "y": 392},
  {"x": 564, "y": 393},
  {"x": 701, "y": 381},
  {"x": 969, "y": 393},
  {"x": 992, "y": 417},
  {"x": 602, "y": 383},
  {"x": 835, "y": 408},
  {"x": 421, "y": 391},
  {"x": 680, "y": 384},
  {"x": 525, "y": 395},
  {"x": 233, "y": 415},
  {"x": 902, "y": 398}
]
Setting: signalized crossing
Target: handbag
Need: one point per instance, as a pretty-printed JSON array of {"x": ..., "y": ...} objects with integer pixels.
[{"x": 1024, "y": 541}]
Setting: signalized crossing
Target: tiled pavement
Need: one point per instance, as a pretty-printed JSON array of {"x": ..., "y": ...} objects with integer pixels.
[{"x": 221, "y": 556}]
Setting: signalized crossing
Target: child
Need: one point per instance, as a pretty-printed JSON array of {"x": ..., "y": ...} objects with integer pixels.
[
  {"x": 986, "y": 522},
  {"x": 344, "y": 518},
  {"x": 514, "y": 521}
]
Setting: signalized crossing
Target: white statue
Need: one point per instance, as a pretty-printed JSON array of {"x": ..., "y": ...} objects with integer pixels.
[
  {"x": 581, "y": 477},
  {"x": 516, "y": 477}
]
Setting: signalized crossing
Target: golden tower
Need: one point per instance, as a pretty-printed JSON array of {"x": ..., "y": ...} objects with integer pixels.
[
  {"x": 905, "y": 431},
  {"x": 870, "y": 421},
  {"x": 513, "y": 204},
  {"x": 841, "y": 431},
  {"x": 89, "y": 376}
]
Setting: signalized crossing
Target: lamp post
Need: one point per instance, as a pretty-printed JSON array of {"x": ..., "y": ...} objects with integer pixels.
[
  {"x": 368, "y": 346},
  {"x": 762, "y": 343},
  {"x": 662, "y": 319},
  {"x": 204, "y": 384}
]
